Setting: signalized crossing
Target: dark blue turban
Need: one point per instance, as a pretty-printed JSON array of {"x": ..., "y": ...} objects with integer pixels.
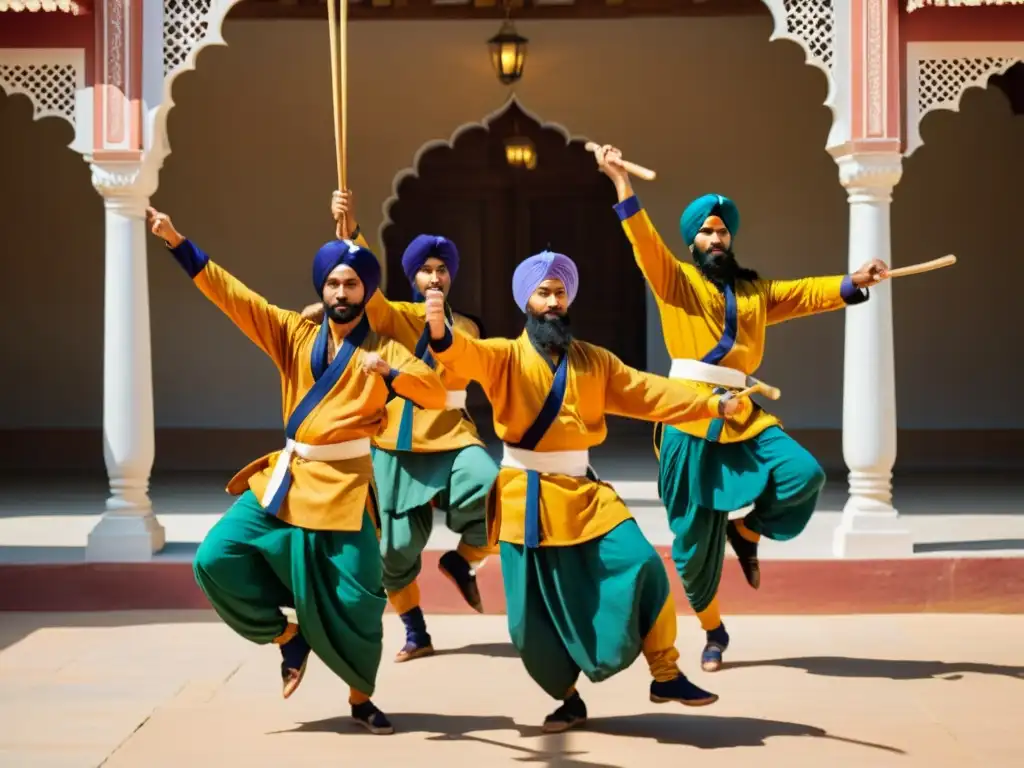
[
  {"x": 424, "y": 247},
  {"x": 345, "y": 252}
]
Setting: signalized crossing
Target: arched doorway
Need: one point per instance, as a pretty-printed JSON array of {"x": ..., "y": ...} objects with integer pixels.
[{"x": 498, "y": 214}]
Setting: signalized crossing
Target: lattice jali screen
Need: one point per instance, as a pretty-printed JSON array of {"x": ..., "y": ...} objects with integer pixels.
[
  {"x": 50, "y": 86},
  {"x": 813, "y": 21},
  {"x": 938, "y": 75},
  {"x": 185, "y": 25}
]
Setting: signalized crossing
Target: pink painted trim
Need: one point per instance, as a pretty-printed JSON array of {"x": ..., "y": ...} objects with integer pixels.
[
  {"x": 858, "y": 68},
  {"x": 988, "y": 24},
  {"x": 52, "y": 30},
  {"x": 894, "y": 72}
]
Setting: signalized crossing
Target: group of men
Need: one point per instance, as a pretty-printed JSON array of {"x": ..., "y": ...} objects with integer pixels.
[{"x": 377, "y": 436}]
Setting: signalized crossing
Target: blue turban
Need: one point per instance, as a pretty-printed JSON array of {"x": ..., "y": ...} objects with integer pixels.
[
  {"x": 543, "y": 266},
  {"x": 422, "y": 248},
  {"x": 344, "y": 252},
  {"x": 697, "y": 212}
]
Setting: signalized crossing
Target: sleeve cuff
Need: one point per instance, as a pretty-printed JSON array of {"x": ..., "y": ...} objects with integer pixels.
[
  {"x": 191, "y": 257},
  {"x": 850, "y": 293},
  {"x": 628, "y": 208},
  {"x": 390, "y": 376},
  {"x": 714, "y": 405},
  {"x": 442, "y": 345}
]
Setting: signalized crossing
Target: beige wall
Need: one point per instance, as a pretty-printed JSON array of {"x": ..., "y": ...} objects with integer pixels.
[{"x": 252, "y": 169}]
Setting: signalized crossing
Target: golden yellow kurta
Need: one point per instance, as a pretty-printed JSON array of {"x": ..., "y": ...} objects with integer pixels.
[
  {"x": 517, "y": 378},
  {"x": 692, "y": 312},
  {"x": 323, "y": 495},
  {"x": 432, "y": 430}
]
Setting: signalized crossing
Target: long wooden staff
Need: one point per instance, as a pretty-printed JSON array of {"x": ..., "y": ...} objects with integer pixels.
[{"x": 338, "y": 23}]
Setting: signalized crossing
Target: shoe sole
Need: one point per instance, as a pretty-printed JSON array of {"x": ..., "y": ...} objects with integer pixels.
[
  {"x": 419, "y": 653},
  {"x": 294, "y": 686},
  {"x": 686, "y": 702},
  {"x": 711, "y": 666},
  {"x": 561, "y": 727},
  {"x": 376, "y": 730}
]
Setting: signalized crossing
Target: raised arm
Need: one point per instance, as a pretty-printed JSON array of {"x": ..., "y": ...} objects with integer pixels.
[
  {"x": 648, "y": 397},
  {"x": 410, "y": 378},
  {"x": 269, "y": 327},
  {"x": 790, "y": 299}
]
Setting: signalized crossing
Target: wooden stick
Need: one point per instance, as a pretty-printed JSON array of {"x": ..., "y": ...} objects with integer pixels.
[
  {"x": 636, "y": 170},
  {"x": 772, "y": 393},
  {"x": 925, "y": 266},
  {"x": 339, "y": 96}
]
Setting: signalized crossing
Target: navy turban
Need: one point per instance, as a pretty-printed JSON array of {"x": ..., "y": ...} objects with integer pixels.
[
  {"x": 697, "y": 212},
  {"x": 422, "y": 248},
  {"x": 345, "y": 252}
]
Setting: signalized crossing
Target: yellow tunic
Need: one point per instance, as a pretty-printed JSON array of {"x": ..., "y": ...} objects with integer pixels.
[
  {"x": 323, "y": 495},
  {"x": 517, "y": 378},
  {"x": 432, "y": 430},
  {"x": 693, "y": 316}
]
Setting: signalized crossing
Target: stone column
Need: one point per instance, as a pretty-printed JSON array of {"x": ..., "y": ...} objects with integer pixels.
[
  {"x": 870, "y": 526},
  {"x": 128, "y": 530}
]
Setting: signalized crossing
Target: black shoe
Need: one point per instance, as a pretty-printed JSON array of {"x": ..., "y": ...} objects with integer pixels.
[
  {"x": 372, "y": 719},
  {"x": 746, "y": 553},
  {"x": 681, "y": 690},
  {"x": 572, "y": 713},
  {"x": 454, "y": 566},
  {"x": 717, "y": 643}
]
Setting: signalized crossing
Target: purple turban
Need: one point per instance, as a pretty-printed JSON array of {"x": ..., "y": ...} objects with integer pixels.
[
  {"x": 344, "y": 252},
  {"x": 540, "y": 267},
  {"x": 422, "y": 248}
]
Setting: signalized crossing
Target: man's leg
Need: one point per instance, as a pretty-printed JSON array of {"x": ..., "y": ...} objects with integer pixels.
[
  {"x": 465, "y": 501},
  {"x": 535, "y": 637},
  {"x": 405, "y": 485},
  {"x": 782, "y": 511},
  {"x": 243, "y": 588}
]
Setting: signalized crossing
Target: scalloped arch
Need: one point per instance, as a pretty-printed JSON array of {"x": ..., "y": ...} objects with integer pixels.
[
  {"x": 811, "y": 25},
  {"x": 214, "y": 21},
  {"x": 413, "y": 169},
  {"x": 50, "y": 78},
  {"x": 961, "y": 65}
]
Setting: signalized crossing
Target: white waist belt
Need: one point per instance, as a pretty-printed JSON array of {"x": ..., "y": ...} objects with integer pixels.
[
  {"x": 455, "y": 399},
  {"x": 571, "y": 463},
  {"x": 695, "y": 370},
  {"x": 350, "y": 449}
]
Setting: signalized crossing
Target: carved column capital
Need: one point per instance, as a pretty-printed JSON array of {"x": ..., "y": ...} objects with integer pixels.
[
  {"x": 869, "y": 176},
  {"x": 125, "y": 184}
]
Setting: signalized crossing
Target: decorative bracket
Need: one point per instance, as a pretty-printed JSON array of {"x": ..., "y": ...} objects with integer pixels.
[
  {"x": 811, "y": 24},
  {"x": 51, "y": 78},
  {"x": 939, "y": 73}
]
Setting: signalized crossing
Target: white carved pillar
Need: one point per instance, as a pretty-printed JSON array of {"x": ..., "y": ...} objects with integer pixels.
[
  {"x": 870, "y": 525},
  {"x": 128, "y": 530}
]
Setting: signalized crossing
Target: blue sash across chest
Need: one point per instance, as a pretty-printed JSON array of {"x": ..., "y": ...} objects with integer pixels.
[{"x": 326, "y": 377}]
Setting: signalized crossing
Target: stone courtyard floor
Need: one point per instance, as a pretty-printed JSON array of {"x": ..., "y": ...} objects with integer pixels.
[{"x": 177, "y": 688}]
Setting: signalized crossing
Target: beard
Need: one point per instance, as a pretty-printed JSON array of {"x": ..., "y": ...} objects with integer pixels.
[
  {"x": 721, "y": 267},
  {"x": 550, "y": 331},
  {"x": 343, "y": 312}
]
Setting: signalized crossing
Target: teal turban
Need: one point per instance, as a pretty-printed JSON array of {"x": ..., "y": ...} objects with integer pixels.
[{"x": 697, "y": 212}]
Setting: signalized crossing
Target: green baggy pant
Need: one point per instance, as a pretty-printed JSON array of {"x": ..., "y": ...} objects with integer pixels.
[
  {"x": 457, "y": 481},
  {"x": 586, "y": 607},
  {"x": 700, "y": 482},
  {"x": 252, "y": 564}
]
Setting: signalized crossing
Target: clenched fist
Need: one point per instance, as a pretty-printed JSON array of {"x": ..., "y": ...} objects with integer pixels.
[
  {"x": 161, "y": 226},
  {"x": 373, "y": 363},
  {"x": 343, "y": 209},
  {"x": 435, "y": 313},
  {"x": 729, "y": 405}
]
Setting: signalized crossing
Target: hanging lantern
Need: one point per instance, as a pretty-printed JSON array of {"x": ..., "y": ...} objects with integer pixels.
[
  {"x": 520, "y": 152},
  {"x": 508, "y": 53}
]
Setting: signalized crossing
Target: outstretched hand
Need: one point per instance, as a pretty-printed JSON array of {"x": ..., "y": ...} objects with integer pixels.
[
  {"x": 161, "y": 226},
  {"x": 872, "y": 273},
  {"x": 435, "y": 313},
  {"x": 374, "y": 363}
]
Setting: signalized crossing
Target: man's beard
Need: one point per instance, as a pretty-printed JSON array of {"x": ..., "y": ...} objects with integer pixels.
[
  {"x": 721, "y": 268},
  {"x": 343, "y": 312},
  {"x": 551, "y": 331}
]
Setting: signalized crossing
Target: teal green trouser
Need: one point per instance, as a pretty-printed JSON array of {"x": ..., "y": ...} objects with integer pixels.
[
  {"x": 252, "y": 564},
  {"x": 700, "y": 482},
  {"x": 586, "y": 607},
  {"x": 457, "y": 481}
]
